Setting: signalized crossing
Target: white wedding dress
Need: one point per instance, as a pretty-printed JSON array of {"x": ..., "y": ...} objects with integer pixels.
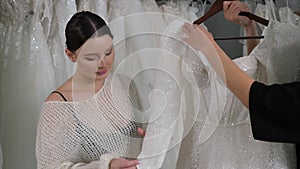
[
  {"x": 58, "y": 16},
  {"x": 27, "y": 73},
  {"x": 232, "y": 144},
  {"x": 136, "y": 26},
  {"x": 274, "y": 60},
  {"x": 220, "y": 138},
  {"x": 96, "y": 6},
  {"x": 175, "y": 104}
]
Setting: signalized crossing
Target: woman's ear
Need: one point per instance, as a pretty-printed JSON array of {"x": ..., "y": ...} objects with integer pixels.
[{"x": 70, "y": 55}]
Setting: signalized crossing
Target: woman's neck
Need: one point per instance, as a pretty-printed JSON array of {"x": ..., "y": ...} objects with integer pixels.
[{"x": 83, "y": 88}]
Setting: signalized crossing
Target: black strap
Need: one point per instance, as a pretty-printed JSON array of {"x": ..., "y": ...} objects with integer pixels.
[{"x": 60, "y": 95}]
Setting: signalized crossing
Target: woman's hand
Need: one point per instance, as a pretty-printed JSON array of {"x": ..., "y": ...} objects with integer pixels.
[
  {"x": 122, "y": 163},
  {"x": 231, "y": 12},
  {"x": 198, "y": 37},
  {"x": 141, "y": 132}
]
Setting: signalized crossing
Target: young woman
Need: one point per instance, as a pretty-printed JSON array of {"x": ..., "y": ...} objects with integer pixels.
[{"x": 89, "y": 121}]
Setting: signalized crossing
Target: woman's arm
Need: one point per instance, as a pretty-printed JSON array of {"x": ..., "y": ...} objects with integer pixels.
[
  {"x": 236, "y": 80},
  {"x": 275, "y": 109},
  {"x": 231, "y": 12},
  {"x": 107, "y": 161}
]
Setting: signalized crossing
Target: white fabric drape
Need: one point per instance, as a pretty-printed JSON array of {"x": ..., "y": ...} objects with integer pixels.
[{"x": 27, "y": 71}]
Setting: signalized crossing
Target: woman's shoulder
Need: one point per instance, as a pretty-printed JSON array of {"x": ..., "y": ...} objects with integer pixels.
[
  {"x": 60, "y": 94},
  {"x": 56, "y": 96}
]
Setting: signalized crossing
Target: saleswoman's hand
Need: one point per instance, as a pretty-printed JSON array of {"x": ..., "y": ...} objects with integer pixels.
[
  {"x": 197, "y": 37},
  {"x": 231, "y": 12}
]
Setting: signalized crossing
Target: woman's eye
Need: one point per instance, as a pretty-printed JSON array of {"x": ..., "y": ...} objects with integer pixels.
[
  {"x": 108, "y": 53},
  {"x": 90, "y": 59}
]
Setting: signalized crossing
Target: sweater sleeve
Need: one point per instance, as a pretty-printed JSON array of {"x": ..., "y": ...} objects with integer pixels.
[
  {"x": 57, "y": 141},
  {"x": 275, "y": 112},
  {"x": 103, "y": 163}
]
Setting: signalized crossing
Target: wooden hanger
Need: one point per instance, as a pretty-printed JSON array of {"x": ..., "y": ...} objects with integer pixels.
[{"x": 218, "y": 6}]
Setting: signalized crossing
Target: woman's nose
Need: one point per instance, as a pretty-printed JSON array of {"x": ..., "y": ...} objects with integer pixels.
[{"x": 101, "y": 63}]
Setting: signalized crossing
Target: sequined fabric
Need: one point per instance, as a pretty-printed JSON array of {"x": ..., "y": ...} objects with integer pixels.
[
  {"x": 232, "y": 145},
  {"x": 177, "y": 106},
  {"x": 278, "y": 53},
  {"x": 217, "y": 131}
]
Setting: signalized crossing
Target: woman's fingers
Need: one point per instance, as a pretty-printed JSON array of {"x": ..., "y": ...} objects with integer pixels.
[
  {"x": 232, "y": 10},
  {"x": 141, "y": 132},
  {"x": 120, "y": 163}
]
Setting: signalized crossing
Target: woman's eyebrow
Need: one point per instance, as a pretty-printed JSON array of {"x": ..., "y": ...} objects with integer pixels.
[
  {"x": 97, "y": 54},
  {"x": 91, "y": 54}
]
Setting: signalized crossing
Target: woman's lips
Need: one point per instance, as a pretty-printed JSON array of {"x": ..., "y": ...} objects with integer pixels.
[{"x": 102, "y": 72}]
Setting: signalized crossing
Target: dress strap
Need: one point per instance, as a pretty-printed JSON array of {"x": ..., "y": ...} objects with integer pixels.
[{"x": 60, "y": 95}]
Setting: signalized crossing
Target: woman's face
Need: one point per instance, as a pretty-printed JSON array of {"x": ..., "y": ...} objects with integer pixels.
[{"x": 95, "y": 57}]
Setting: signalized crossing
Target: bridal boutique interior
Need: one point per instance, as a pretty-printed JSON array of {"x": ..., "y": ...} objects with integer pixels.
[{"x": 33, "y": 64}]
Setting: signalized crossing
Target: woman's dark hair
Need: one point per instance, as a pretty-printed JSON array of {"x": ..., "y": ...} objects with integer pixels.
[{"x": 82, "y": 26}]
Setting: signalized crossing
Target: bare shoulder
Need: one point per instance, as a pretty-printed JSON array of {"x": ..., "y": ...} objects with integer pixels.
[
  {"x": 60, "y": 94},
  {"x": 55, "y": 97}
]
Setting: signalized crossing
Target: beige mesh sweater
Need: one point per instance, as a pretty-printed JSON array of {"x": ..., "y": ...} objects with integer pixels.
[{"x": 89, "y": 133}]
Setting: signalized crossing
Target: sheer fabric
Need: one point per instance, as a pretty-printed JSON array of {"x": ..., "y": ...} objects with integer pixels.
[
  {"x": 79, "y": 134},
  {"x": 180, "y": 100}
]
